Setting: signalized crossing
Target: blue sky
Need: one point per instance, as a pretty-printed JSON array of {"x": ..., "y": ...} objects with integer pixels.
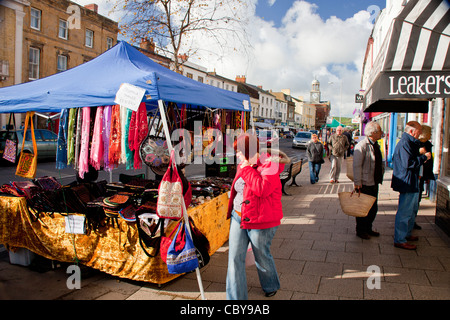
[{"x": 274, "y": 10}]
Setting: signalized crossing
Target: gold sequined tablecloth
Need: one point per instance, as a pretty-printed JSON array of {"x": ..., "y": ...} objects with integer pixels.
[{"x": 112, "y": 249}]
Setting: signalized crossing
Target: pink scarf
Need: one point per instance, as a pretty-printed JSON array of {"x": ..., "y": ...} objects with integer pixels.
[
  {"x": 96, "y": 159},
  {"x": 105, "y": 136},
  {"x": 83, "y": 165}
]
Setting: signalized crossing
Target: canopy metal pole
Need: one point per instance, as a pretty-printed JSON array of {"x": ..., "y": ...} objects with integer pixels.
[{"x": 185, "y": 215}]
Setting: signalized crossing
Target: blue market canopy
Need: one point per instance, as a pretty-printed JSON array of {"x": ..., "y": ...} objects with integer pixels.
[
  {"x": 95, "y": 83},
  {"x": 413, "y": 64}
]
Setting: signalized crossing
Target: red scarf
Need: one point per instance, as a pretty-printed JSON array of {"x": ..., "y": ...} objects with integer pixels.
[
  {"x": 138, "y": 132},
  {"x": 115, "y": 137}
]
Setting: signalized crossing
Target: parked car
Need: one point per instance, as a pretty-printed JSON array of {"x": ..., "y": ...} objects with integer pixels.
[
  {"x": 46, "y": 142},
  {"x": 288, "y": 134},
  {"x": 268, "y": 137},
  {"x": 301, "y": 139}
]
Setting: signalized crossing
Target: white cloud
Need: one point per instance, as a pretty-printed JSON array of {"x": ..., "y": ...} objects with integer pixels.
[{"x": 303, "y": 47}]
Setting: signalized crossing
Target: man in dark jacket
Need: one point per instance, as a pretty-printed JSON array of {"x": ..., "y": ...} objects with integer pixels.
[{"x": 407, "y": 160}]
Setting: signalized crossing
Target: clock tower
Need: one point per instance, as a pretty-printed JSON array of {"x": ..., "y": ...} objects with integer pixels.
[{"x": 315, "y": 91}]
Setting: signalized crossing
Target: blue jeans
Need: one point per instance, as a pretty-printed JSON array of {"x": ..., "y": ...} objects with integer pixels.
[
  {"x": 408, "y": 205},
  {"x": 261, "y": 241},
  {"x": 314, "y": 170}
]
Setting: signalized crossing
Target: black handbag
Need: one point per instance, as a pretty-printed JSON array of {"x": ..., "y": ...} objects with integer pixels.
[
  {"x": 150, "y": 230},
  {"x": 201, "y": 244}
]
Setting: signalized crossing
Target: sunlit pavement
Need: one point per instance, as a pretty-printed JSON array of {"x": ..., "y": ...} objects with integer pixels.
[{"x": 316, "y": 251}]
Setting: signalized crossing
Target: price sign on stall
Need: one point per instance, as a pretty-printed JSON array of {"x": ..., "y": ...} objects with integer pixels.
[
  {"x": 129, "y": 96},
  {"x": 75, "y": 224}
]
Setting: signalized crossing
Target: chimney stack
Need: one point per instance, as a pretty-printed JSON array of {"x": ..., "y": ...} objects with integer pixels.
[
  {"x": 241, "y": 79},
  {"x": 92, "y": 7},
  {"x": 183, "y": 57},
  {"x": 148, "y": 45}
]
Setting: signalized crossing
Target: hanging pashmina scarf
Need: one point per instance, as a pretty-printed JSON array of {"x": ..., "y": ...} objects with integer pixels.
[
  {"x": 123, "y": 122},
  {"x": 106, "y": 133},
  {"x": 78, "y": 138},
  {"x": 61, "y": 149},
  {"x": 129, "y": 155},
  {"x": 96, "y": 157},
  {"x": 71, "y": 135},
  {"x": 115, "y": 137},
  {"x": 83, "y": 165},
  {"x": 138, "y": 132}
]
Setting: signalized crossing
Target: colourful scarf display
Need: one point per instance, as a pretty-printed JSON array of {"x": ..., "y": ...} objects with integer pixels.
[
  {"x": 106, "y": 133},
  {"x": 61, "y": 150},
  {"x": 115, "y": 137},
  {"x": 83, "y": 163},
  {"x": 78, "y": 138},
  {"x": 129, "y": 155},
  {"x": 96, "y": 157},
  {"x": 138, "y": 132},
  {"x": 71, "y": 126}
]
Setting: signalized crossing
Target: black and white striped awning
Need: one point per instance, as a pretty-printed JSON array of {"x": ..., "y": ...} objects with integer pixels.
[{"x": 413, "y": 65}]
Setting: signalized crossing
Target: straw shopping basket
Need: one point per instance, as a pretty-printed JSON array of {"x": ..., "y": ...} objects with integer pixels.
[
  {"x": 356, "y": 204},
  {"x": 349, "y": 162}
]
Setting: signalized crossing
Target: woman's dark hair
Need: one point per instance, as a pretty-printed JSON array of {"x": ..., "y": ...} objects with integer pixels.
[{"x": 248, "y": 144}]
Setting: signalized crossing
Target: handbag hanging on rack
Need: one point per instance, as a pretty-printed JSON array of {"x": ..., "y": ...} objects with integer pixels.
[
  {"x": 26, "y": 167},
  {"x": 150, "y": 231},
  {"x": 185, "y": 259},
  {"x": 153, "y": 149},
  {"x": 10, "y": 151},
  {"x": 171, "y": 193}
]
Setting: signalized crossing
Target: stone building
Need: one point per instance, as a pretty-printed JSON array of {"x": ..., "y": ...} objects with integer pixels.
[{"x": 39, "y": 38}]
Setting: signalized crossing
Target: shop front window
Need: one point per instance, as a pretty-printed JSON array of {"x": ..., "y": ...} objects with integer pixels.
[
  {"x": 401, "y": 118},
  {"x": 446, "y": 144}
]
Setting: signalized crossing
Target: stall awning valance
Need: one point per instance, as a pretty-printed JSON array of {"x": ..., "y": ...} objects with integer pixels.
[{"x": 413, "y": 65}]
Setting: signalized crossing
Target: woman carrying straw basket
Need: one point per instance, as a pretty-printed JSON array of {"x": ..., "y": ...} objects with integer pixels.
[{"x": 368, "y": 171}]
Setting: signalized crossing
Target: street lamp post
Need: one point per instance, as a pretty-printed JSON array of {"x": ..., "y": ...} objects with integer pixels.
[{"x": 340, "y": 93}]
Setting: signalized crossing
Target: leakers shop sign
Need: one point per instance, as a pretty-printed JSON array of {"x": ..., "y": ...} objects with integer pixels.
[
  {"x": 419, "y": 85},
  {"x": 416, "y": 85}
]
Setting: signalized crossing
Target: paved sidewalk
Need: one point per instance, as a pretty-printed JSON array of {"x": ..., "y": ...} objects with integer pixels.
[{"x": 318, "y": 256}]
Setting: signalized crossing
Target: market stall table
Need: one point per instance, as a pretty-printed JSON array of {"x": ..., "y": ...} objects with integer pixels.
[{"x": 112, "y": 249}]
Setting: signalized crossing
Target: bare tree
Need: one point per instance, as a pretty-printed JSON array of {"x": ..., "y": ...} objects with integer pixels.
[{"x": 177, "y": 25}]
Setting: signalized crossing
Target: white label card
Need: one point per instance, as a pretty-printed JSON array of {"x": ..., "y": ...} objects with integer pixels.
[
  {"x": 75, "y": 224},
  {"x": 129, "y": 96}
]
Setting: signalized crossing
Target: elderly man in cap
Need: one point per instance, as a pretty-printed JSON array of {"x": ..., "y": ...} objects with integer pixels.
[
  {"x": 337, "y": 146},
  {"x": 407, "y": 159}
]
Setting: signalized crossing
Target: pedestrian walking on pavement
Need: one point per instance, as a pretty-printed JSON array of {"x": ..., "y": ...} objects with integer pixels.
[
  {"x": 426, "y": 173},
  {"x": 337, "y": 145},
  {"x": 348, "y": 134},
  {"x": 407, "y": 159},
  {"x": 368, "y": 171},
  {"x": 314, "y": 151},
  {"x": 255, "y": 211}
]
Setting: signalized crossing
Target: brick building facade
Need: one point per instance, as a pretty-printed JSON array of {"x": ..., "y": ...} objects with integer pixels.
[{"x": 39, "y": 38}]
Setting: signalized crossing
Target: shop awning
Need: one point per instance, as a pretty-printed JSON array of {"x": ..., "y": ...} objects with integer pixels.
[
  {"x": 263, "y": 125},
  {"x": 413, "y": 64}
]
